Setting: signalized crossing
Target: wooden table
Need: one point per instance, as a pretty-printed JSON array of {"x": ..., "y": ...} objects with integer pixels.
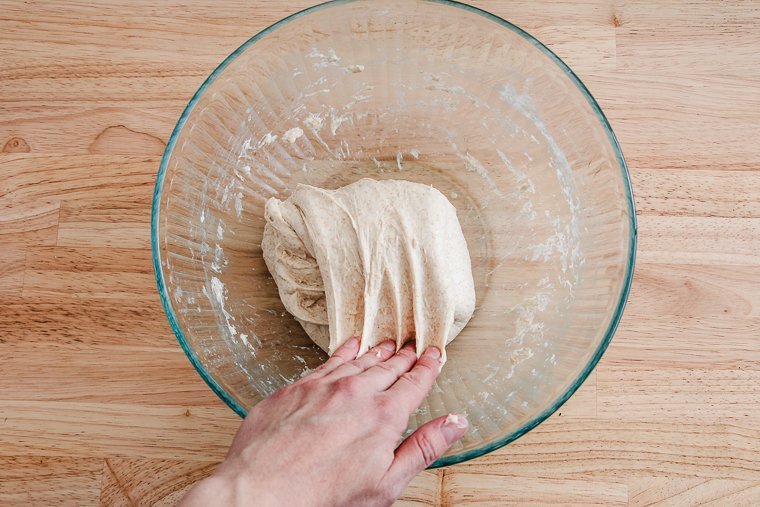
[{"x": 99, "y": 404}]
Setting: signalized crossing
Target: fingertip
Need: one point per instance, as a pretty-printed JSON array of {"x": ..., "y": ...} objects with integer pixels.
[
  {"x": 427, "y": 444},
  {"x": 384, "y": 350},
  {"x": 388, "y": 345},
  {"x": 432, "y": 352},
  {"x": 431, "y": 359},
  {"x": 348, "y": 349},
  {"x": 454, "y": 427}
]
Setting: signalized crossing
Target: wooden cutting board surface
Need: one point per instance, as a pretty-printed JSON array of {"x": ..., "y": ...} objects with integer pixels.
[{"x": 98, "y": 404}]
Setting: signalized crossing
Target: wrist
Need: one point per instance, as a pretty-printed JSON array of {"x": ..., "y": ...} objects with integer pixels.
[
  {"x": 211, "y": 491},
  {"x": 231, "y": 488}
]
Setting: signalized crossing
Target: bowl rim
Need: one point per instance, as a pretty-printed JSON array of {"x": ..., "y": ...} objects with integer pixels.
[{"x": 628, "y": 276}]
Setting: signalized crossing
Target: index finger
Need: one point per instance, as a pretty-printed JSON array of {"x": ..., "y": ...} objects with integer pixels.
[
  {"x": 342, "y": 355},
  {"x": 413, "y": 386}
]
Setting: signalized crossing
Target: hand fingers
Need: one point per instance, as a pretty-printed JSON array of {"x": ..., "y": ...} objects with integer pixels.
[
  {"x": 384, "y": 374},
  {"x": 343, "y": 354},
  {"x": 372, "y": 357},
  {"x": 423, "y": 447},
  {"x": 413, "y": 386}
]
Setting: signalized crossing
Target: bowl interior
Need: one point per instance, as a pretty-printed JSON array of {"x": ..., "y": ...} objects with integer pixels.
[{"x": 433, "y": 92}]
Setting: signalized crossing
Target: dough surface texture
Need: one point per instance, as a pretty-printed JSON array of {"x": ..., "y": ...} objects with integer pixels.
[{"x": 375, "y": 259}]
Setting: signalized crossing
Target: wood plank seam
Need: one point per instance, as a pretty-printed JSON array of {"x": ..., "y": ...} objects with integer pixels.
[{"x": 119, "y": 483}]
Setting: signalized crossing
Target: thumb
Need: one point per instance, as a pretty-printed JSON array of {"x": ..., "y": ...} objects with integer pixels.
[{"x": 423, "y": 447}]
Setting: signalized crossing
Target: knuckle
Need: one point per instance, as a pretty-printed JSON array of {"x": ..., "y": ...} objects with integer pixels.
[
  {"x": 387, "y": 410},
  {"x": 427, "y": 448},
  {"x": 387, "y": 367},
  {"x": 358, "y": 366},
  {"x": 407, "y": 353},
  {"x": 426, "y": 367},
  {"x": 278, "y": 397},
  {"x": 362, "y": 362},
  {"x": 414, "y": 378},
  {"x": 320, "y": 368},
  {"x": 350, "y": 369},
  {"x": 334, "y": 362},
  {"x": 348, "y": 385},
  {"x": 308, "y": 383},
  {"x": 289, "y": 391},
  {"x": 282, "y": 392}
]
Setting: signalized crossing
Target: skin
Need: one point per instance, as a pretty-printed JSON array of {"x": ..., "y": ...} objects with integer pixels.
[{"x": 332, "y": 437}]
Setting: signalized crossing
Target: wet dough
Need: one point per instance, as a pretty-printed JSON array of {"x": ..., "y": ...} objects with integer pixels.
[{"x": 375, "y": 259}]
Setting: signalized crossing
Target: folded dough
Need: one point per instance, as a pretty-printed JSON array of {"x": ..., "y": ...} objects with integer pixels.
[{"x": 375, "y": 259}]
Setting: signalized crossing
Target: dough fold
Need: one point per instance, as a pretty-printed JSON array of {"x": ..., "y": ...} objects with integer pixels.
[{"x": 375, "y": 259}]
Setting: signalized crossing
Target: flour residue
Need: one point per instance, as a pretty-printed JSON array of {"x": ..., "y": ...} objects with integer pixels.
[
  {"x": 359, "y": 97},
  {"x": 218, "y": 297},
  {"x": 293, "y": 134},
  {"x": 525, "y": 322},
  {"x": 523, "y": 181},
  {"x": 472, "y": 164},
  {"x": 336, "y": 120},
  {"x": 566, "y": 238},
  {"x": 219, "y": 262},
  {"x": 314, "y": 121},
  {"x": 239, "y": 204},
  {"x": 250, "y": 147},
  {"x": 457, "y": 90},
  {"x": 324, "y": 59}
]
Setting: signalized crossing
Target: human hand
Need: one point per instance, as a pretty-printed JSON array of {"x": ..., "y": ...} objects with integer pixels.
[{"x": 332, "y": 437}]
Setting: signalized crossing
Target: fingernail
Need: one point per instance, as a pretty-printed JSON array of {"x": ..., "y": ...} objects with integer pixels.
[
  {"x": 353, "y": 342},
  {"x": 433, "y": 352},
  {"x": 388, "y": 345},
  {"x": 452, "y": 427}
]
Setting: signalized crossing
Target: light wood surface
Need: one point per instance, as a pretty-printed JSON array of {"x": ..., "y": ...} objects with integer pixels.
[{"x": 98, "y": 404}]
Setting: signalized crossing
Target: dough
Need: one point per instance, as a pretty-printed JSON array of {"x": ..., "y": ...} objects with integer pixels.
[{"x": 375, "y": 259}]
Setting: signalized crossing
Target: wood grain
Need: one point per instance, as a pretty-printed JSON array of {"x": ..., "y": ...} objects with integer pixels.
[
  {"x": 492, "y": 489},
  {"x": 50, "y": 480},
  {"x": 98, "y": 405},
  {"x": 12, "y": 270},
  {"x": 132, "y": 482}
]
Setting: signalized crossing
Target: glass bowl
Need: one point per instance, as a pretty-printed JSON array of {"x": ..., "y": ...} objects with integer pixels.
[{"x": 428, "y": 91}]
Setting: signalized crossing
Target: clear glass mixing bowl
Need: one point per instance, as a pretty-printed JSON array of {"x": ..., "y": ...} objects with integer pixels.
[{"x": 429, "y": 91}]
